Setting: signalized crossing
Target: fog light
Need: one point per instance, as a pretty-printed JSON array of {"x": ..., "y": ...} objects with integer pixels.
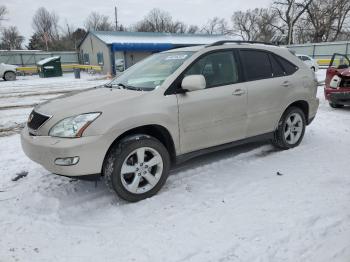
[{"x": 67, "y": 161}]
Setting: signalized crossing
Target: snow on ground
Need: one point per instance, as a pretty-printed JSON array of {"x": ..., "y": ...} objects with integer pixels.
[
  {"x": 226, "y": 206},
  {"x": 17, "y": 98}
]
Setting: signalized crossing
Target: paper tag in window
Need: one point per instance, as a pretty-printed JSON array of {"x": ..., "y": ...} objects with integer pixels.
[{"x": 176, "y": 57}]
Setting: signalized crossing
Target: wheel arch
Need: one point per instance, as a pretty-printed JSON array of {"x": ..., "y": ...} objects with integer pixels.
[
  {"x": 157, "y": 131},
  {"x": 303, "y": 105},
  {"x": 8, "y": 71}
]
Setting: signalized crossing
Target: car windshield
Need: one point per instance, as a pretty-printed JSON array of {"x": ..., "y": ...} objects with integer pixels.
[
  {"x": 340, "y": 61},
  {"x": 150, "y": 72}
]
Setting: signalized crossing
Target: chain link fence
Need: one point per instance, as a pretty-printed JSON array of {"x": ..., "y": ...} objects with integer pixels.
[
  {"x": 322, "y": 52},
  {"x": 29, "y": 58}
]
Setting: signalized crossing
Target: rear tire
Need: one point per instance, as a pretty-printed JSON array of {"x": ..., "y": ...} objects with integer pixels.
[
  {"x": 9, "y": 76},
  {"x": 137, "y": 167},
  {"x": 333, "y": 105},
  {"x": 291, "y": 129}
]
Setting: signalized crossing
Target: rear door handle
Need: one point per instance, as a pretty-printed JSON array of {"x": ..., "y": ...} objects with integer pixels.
[
  {"x": 285, "y": 84},
  {"x": 238, "y": 92}
]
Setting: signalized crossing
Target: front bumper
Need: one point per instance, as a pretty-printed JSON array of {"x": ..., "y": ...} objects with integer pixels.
[
  {"x": 340, "y": 98},
  {"x": 44, "y": 150}
]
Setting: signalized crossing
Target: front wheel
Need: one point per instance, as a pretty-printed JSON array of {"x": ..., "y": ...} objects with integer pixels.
[
  {"x": 10, "y": 76},
  {"x": 137, "y": 167},
  {"x": 291, "y": 129},
  {"x": 333, "y": 105}
]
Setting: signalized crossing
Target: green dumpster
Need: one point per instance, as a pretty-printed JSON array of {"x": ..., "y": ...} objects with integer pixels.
[{"x": 50, "y": 67}]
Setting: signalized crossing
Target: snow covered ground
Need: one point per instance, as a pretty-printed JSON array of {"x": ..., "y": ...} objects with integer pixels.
[
  {"x": 226, "y": 206},
  {"x": 17, "y": 98}
]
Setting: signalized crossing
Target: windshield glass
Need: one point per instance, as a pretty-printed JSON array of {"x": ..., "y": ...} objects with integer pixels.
[
  {"x": 340, "y": 61},
  {"x": 151, "y": 72}
]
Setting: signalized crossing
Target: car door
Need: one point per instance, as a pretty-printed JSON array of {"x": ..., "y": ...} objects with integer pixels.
[
  {"x": 217, "y": 114},
  {"x": 339, "y": 63},
  {"x": 268, "y": 85}
]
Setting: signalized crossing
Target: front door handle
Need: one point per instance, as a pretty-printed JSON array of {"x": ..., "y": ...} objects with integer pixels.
[{"x": 238, "y": 92}]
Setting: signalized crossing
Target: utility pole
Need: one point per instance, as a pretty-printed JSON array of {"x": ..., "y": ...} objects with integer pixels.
[{"x": 116, "y": 18}]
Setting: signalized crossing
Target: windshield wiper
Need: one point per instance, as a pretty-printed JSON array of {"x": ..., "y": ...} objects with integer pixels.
[
  {"x": 110, "y": 85},
  {"x": 121, "y": 85},
  {"x": 134, "y": 88}
]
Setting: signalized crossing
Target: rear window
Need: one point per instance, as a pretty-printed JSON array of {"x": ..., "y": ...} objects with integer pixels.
[
  {"x": 288, "y": 67},
  {"x": 277, "y": 69},
  {"x": 256, "y": 64}
]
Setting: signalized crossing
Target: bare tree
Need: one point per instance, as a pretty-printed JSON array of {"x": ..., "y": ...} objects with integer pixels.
[
  {"x": 156, "y": 21},
  {"x": 246, "y": 24},
  {"x": 254, "y": 25},
  {"x": 192, "y": 29},
  {"x": 11, "y": 39},
  {"x": 303, "y": 31},
  {"x": 45, "y": 24},
  {"x": 3, "y": 12},
  {"x": 160, "y": 21},
  {"x": 325, "y": 20},
  {"x": 343, "y": 11},
  {"x": 216, "y": 25},
  {"x": 290, "y": 11},
  {"x": 177, "y": 27},
  {"x": 98, "y": 22}
]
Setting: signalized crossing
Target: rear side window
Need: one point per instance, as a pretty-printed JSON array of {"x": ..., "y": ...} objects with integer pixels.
[
  {"x": 288, "y": 67},
  {"x": 256, "y": 64},
  {"x": 277, "y": 69}
]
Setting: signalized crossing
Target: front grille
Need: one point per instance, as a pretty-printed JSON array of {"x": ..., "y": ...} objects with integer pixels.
[{"x": 36, "y": 120}]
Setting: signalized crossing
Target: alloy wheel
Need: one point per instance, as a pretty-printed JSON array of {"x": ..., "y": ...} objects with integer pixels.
[
  {"x": 141, "y": 170},
  {"x": 293, "y": 128}
]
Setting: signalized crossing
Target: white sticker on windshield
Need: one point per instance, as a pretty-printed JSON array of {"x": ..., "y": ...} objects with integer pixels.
[{"x": 176, "y": 57}]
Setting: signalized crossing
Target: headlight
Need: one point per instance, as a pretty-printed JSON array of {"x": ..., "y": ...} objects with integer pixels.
[{"x": 73, "y": 126}]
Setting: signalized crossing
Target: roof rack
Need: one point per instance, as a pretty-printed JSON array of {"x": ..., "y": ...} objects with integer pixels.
[{"x": 239, "y": 42}]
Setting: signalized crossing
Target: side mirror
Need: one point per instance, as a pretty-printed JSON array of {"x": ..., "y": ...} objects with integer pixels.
[{"x": 193, "y": 83}]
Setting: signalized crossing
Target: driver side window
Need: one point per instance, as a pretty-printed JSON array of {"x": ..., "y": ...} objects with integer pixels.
[{"x": 218, "y": 69}]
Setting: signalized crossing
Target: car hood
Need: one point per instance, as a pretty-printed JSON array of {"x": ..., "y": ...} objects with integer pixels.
[
  {"x": 90, "y": 100},
  {"x": 344, "y": 72},
  {"x": 8, "y": 67}
]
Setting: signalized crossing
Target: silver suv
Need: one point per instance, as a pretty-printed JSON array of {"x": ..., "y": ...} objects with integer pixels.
[{"x": 170, "y": 107}]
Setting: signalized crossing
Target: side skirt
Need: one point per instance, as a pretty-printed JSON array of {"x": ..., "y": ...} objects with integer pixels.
[{"x": 184, "y": 157}]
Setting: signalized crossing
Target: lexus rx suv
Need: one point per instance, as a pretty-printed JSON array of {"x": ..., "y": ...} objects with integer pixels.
[{"x": 170, "y": 107}]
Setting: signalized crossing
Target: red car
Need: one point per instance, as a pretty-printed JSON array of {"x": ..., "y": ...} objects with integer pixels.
[{"x": 337, "y": 84}]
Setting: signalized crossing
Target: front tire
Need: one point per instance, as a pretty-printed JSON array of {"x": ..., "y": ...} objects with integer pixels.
[
  {"x": 137, "y": 167},
  {"x": 291, "y": 129},
  {"x": 333, "y": 105},
  {"x": 9, "y": 76}
]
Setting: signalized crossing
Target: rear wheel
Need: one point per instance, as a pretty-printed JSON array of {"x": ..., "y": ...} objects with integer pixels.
[
  {"x": 334, "y": 105},
  {"x": 137, "y": 167},
  {"x": 9, "y": 76},
  {"x": 291, "y": 129}
]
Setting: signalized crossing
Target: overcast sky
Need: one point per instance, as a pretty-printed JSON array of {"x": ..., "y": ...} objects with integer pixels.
[{"x": 129, "y": 11}]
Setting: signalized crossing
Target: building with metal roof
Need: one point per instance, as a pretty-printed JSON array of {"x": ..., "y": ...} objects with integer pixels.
[{"x": 116, "y": 51}]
